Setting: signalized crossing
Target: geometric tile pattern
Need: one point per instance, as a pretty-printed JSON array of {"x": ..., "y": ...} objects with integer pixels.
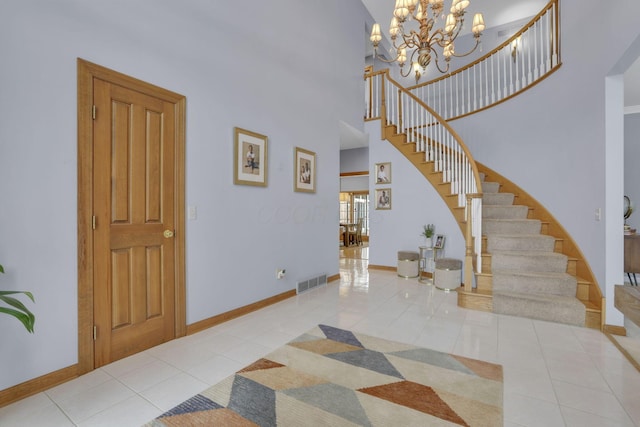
[{"x": 331, "y": 376}]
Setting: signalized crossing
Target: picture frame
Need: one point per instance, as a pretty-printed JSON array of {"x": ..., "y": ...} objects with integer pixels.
[
  {"x": 383, "y": 173},
  {"x": 383, "y": 198},
  {"x": 304, "y": 170},
  {"x": 439, "y": 243},
  {"x": 250, "y": 158}
]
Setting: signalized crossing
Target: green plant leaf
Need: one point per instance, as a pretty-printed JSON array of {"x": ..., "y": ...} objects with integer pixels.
[
  {"x": 22, "y": 313},
  {"x": 27, "y": 321},
  {"x": 29, "y": 294}
]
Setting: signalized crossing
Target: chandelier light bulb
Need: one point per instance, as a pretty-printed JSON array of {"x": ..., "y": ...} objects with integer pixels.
[
  {"x": 478, "y": 24},
  {"x": 401, "y": 10},
  {"x": 394, "y": 28},
  {"x": 402, "y": 56},
  {"x": 450, "y": 24},
  {"x": 376, "y": 36}
]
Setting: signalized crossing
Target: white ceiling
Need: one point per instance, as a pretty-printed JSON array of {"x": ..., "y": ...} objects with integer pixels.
[{"x": 495, "y": 13}]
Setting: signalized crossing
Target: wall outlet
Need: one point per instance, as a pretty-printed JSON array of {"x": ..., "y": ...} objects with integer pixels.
[{"x": 280, "y": 273}]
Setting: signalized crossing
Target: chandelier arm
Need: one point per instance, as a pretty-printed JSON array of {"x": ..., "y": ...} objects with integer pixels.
[
  {"x": 403, "y": 74},
  {"x": 437, "y": 62},
  {"x": 380, "y": 58},
  {"x": 470, "y": 51},
  {"x": 410, "y": 40}
]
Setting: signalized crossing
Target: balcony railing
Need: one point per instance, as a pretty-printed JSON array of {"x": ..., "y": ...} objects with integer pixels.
[{"x": 523, "y": 60}]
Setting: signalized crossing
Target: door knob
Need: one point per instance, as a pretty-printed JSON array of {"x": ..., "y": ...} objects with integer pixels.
[{"x": 168, "y": 234}]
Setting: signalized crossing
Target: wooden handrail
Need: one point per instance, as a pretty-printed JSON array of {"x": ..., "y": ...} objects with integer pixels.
[
  {"x": 496, "y": 77},
  {"x": 441, "y": 144},
  {"x": 441, "y": 121}
]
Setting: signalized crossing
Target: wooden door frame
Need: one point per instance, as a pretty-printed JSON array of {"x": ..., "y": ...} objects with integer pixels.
[{"x": 87, "y": 71}]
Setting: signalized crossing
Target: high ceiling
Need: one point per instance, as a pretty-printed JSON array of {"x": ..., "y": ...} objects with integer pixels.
[{"x": 496, "y": 13}]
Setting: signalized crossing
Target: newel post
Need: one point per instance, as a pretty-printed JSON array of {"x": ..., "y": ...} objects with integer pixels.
[
  {"x": 468, "y": 256},
  {"x": 383, "y": 106}
]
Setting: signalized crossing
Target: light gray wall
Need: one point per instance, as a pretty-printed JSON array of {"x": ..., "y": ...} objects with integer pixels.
[
  {"x": 631, "y": 169},
  {"x": 236, "y": 69},
  {"x": 414, "y": 203},
  {"x": 354, "y": 159}
]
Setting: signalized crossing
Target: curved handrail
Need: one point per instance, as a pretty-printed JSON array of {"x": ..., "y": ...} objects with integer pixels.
[
  {"x": 442, "y": 122},
  {"x": 433, "y": 136},
  {"x": 519, "y": 63}
]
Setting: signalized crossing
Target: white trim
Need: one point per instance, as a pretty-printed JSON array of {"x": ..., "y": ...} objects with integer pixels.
[{"x": 634, "y": 109}]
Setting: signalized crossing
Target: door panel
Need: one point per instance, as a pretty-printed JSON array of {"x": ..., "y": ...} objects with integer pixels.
[{"x": 134, "y": 262}]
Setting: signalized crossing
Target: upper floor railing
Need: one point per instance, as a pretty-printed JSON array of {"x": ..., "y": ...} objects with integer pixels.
[{"x": 525, "y": 59}]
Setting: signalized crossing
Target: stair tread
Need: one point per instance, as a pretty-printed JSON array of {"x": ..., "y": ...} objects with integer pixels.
[
  {"x": 511, "y": 219},
  {"x": 528, "y": 253},
  {"x": 546, "y": 274},
  {"x": 539, "y": 297},
  {"x": 520, "y": 236}
]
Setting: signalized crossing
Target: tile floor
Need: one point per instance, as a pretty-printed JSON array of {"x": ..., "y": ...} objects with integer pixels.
[{"x": 554, "y": 375}]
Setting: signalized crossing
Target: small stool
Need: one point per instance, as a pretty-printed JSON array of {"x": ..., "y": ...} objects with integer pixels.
[
  {"x": 447, "y": 274},
  {"x": 408, "y": 264}
]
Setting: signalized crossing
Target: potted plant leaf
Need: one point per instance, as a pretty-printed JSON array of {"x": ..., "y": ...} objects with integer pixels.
[
  {"x": 427, "y": 232},
  {"x": 16, "y": 308}
]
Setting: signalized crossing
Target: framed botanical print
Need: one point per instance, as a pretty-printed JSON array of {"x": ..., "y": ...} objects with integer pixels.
[
  {"x": 304, "y": 170},
  {"x": 250, "y": 158}
]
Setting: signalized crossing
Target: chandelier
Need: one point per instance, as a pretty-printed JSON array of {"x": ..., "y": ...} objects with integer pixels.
[{"x": 423, "y": 41}]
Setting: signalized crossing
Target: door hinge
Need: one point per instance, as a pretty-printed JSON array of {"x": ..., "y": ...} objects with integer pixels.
[
  {"x": 93, "y": 112},
  {"x": 93, "y": 222},
  {"x": 95, "y": 332}
]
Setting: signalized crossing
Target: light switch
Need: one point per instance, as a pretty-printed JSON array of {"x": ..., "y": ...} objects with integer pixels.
[
  {"x": 192, "y": 212},
  {"x": 598, "y": 214}
]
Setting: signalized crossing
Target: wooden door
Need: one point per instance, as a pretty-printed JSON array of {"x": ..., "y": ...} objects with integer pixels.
[{"x": 135, "y": 277}]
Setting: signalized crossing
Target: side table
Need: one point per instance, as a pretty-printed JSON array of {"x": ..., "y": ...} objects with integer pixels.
[{"x": 426, "y": 262}]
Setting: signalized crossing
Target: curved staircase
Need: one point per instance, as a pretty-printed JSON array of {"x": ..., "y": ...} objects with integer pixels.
[
  {"x": 530, "y": 265},
  {"x": 524, "y": 262}
]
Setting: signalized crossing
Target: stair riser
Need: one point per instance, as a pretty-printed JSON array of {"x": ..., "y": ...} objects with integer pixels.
[
  {"x": 529, "y": 263},
  {"x": 537, "y": 243},
  {"x": 497, "y": 199},
  {"x": 557, "y": 247},
  {"x": 505, "y": 212},
  {"x": 484, "y": 282},
  {"x": 492, "y": 226},
  {"x": 560, "y": 311},
  {"x": 565, "y": 286},
  {"x": 490, "y": 187}
]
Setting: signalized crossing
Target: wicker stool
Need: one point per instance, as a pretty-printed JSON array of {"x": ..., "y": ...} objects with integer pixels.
[
  {"x": 447, "y": 274},
  {"x": 408, "y": 264}
]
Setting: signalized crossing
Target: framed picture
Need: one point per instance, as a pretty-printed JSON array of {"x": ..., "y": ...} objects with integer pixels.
[
  {"x": 304, "y": 171},
  {"x": 383, "y": 173},
  {"x": 439, "y": 244},
  {"x": 250, "y": 158},
  {"x": 383, "y": 198}
]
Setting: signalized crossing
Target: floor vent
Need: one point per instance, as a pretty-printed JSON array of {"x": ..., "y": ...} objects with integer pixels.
[{"x": 307, "y": 284}]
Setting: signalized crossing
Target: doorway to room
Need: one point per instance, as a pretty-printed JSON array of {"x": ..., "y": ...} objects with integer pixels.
[{"x": 353, "y": 238}]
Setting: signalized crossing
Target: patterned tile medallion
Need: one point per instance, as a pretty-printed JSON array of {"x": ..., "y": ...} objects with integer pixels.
[{"x": 331, "y": 376}]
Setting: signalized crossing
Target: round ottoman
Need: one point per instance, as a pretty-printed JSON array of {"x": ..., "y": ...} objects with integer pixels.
[
  {"x": 408, "y": 264},
  {"x": 447, "y": 274}
]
